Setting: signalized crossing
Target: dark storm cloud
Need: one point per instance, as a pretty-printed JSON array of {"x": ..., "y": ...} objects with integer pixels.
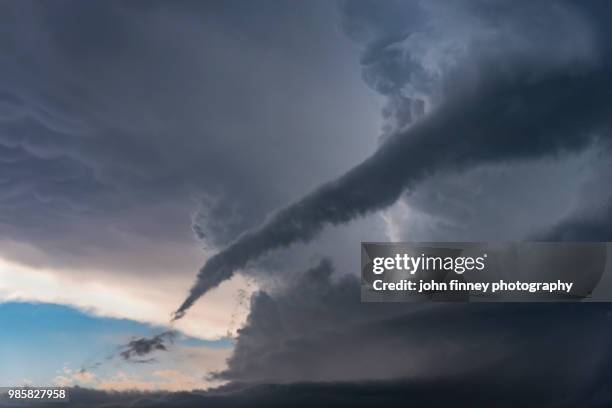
[
  {"x": 317, "y": 330},
  {"x": 502, "y": 101},
  {"x": 461, "y": 392},
  {"x": 113, "y": 109},
  {"x": 487, "y": 202}
]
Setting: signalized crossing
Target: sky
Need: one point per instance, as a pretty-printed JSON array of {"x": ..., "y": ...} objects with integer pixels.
[
  {"x": 221, "y": 161},
  {"x": 48, "y": 344}
]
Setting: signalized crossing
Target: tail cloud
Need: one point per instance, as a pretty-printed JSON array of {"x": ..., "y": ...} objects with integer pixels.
[
  {"x": 521, "y": 106},
  {"x": 143, "y": 346}
]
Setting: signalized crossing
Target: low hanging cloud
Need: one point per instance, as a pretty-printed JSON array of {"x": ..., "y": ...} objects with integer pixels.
[
  {"x": 504, "y": 96},
  {"x": 136, "y": 349},
  {"x": 439, "y": 393},
  {"x": 316, "y": 329}
]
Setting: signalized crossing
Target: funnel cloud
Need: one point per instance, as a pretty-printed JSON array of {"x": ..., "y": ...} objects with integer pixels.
[
  {"x": 478, "y": 95},
  {"x": 559, "y": 113}
]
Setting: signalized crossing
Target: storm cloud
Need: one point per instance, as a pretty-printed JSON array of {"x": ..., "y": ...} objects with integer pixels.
[
  {"x": 458, "y": 392},
  {"x": 126, "y": 128},
  {"x": 113, "y": 114},
  {"x": 137, "y": 138},
  {"x": 316, "y": 329},
  {"x": 496, "y": 104}
]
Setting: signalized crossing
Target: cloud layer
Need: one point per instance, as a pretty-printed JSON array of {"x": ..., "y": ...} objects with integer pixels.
[{"x": 135, "y": 139}]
